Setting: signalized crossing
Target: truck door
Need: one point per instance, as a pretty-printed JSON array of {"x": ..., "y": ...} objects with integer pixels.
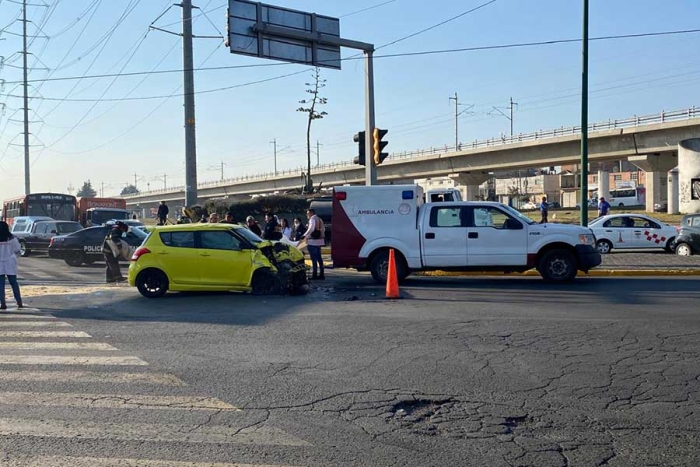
[
  {"x": 445, "y": 237},
  {"x": 495, "y": 238}
]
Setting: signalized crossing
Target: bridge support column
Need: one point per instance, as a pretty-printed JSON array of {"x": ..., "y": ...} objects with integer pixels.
[
  {"x": 471, "y": 181},
  {"x": 604, "y": 184},
  {"x": 656, "y": 167},
  {"x": 689, "y": 175},
  {"x": 673, "y": 193}
]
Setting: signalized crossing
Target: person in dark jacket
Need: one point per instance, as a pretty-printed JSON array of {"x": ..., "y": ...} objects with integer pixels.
[
  {"x": 253, "y": 226},
  {"x": 271, "y": 231},
  {"x": 111, "y": 248},
  {"x": 162, "y": 213},
  {"x": 299, "y": 229}
]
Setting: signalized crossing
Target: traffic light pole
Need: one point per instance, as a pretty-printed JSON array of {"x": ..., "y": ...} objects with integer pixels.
[{"x": 370, "y": 166}]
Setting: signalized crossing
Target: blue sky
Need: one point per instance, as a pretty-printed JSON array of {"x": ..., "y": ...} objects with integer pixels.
[{"x": 107, "y": 142}]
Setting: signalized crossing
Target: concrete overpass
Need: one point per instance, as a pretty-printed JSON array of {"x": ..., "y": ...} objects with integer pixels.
[{"x": 650, "y": 142}]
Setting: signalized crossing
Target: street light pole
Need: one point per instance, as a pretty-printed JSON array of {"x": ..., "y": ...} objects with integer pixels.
[{"x": 584, "y": 120}]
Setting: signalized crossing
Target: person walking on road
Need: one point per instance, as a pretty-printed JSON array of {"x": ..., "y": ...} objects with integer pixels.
[
  {"x": 603, "y": 207},
  {"x": 112, "y": 249},
  {"x": 544, "y": 209},
  {"x": 162, "y": 213},
  {"x": 9, "y": 250},
  {"x": 253, "y": 226},
  {"x": 315, "y": 239}
]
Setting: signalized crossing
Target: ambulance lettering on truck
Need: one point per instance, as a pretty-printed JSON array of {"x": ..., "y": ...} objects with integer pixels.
[{"x": 368, "y": 221}]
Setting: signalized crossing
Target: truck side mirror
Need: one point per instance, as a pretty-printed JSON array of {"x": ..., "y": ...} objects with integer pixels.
[{"x": 512, "y": 224}]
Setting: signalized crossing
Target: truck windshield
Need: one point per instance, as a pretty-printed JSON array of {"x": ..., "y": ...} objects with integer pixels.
[
  {"x": 519, "y": 215},
  {"x": 100, "y": 217}
]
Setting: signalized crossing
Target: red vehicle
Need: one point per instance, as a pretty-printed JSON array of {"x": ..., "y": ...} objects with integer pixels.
[
  {"x": 57, "y": 206},
  {"x": 97, "y": 211}
]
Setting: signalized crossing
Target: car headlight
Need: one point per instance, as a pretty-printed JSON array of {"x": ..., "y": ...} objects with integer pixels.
[{"x": 587, "y": 239}]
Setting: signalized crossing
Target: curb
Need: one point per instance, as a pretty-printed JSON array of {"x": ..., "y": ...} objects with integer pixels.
[{"x": 592, "y": 273}]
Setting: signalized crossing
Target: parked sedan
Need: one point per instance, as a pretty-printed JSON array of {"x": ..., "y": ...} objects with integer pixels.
[
  {"x": 626, "y": 231},
  {"x": 688, "y": 239},
  {"x": 85, "y": 246},
  {"x": 37, "y": 236}
]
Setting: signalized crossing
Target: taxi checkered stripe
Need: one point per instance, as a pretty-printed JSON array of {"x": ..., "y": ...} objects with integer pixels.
[{"x": 654, "y": 237}]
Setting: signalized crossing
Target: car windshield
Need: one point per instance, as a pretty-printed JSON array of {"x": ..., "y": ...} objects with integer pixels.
[
  {"x": 68, "y": 227},
  {"x": 519, "y": 215},
  {"x": 248, "y": 235}
]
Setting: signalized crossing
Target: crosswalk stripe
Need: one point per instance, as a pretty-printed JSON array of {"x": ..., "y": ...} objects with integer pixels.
[
  {"x": 114, "y": 401},
  {"x": 34, "y": 334},
  {"x": 89, "y": 377},
  {"x": 201, "y": 434},
  {"x": 4, "y": 316},
  {"x": 56, "y": 346},
  {"x": 68, "y": 360},
  {"x": 33, "y": 324},
  {"x": 58, "y": 461}
]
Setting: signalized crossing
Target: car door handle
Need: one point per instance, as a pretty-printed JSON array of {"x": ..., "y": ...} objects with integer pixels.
[
  {"x": 473, "y": 235},
  {"x": 162, "y": 252},
  {"x": 204, "y": 254},
  {"x": 638, "y": 231},
  {"x": 609, "y": 231},
  {"x": 430, "y": 235}
]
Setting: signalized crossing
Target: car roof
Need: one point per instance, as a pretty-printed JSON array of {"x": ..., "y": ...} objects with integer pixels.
[
  {"x": 56, "y": 222},
  {"x": 33, "y": 218},
  {"x": 196, "y": 226}
]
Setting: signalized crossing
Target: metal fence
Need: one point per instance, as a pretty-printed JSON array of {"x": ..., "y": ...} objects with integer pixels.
[{"x": 662, "y": 117}]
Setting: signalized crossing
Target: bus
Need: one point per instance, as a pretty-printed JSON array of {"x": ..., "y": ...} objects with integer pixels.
[
  {"x": 54, "y": 205},
  {"x": 620, "y": 197}
]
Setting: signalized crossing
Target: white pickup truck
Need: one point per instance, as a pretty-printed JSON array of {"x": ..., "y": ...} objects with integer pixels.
[{"x": 450, "y": 235}]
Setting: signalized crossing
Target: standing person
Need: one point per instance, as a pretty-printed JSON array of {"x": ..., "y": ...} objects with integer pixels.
[
  {"x": 253, "y": 226},
  {"x": 214, "y": 218},
  {"x": 162, "y": 213},
  {"x": 286, "y": 229},
  {"x": 112, "y": 250},
  {"x": 9, "y": 250},
  {"x": 228, "y": 219},
  {"x": 299, "y": 229},
  {"x": 315, "y": 239},
  {"x": 544, "y": 209},
  {"x": 603, "y": 207},
  {"x": 271, "y": 225}
]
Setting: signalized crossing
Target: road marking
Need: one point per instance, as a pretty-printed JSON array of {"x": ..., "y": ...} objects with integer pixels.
[
  {"x": 202, "y": 434},
  {"x": 68, "y": 360},
  {"x": 88, "y": 377},
  {"x": 16, "y": 315},
  {"x": 33, "y": 324},
  {"x": 35, "y": 334},
  {"x": 104, "y": 462},
  {"x": 114, "y": 401},
  {"x": 56, "y": 346}
]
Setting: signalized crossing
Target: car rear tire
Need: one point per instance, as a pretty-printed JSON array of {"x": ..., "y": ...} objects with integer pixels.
[
  {"x": 75, "y": 260},
  {"x": 683, "y": 249},
  {"x": 558, "y": 266},
  {"x": 266, "y": 282},
  {"x": 604, "y": 247},
  {"x": 23, "y": 250},
  {"x": 152, "y": 283},
  {"x": 379, "y": 267}
]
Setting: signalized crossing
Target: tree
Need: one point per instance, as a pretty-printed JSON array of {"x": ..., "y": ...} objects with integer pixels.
[
  {"x": 309, "y": 107},
  {"x": 87, "y": 191},
  {"x": 129, "y": 190}
]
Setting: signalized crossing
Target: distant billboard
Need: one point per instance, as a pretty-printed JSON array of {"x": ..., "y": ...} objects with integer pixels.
[{"x": 267, "y": 31}]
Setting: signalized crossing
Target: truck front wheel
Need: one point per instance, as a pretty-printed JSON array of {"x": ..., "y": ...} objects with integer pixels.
[
  {"x": 557, "y": 266},
  {"x": 379, "y": 266}
]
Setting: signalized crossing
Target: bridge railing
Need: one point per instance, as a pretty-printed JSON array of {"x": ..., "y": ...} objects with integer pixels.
[{"x": 662, "y": 117}]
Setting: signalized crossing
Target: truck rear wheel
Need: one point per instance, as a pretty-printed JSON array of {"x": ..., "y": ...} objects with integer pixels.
[
  {"x": 379, "y": 266},
  {"x": 558, "y": 266},
  {"x": 23, "y": 250}
]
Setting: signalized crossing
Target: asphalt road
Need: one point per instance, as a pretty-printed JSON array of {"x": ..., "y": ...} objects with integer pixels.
[{"x": 480, "y": 371}]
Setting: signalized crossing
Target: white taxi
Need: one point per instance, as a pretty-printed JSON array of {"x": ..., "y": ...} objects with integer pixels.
[{"x": 627, "y": 231}]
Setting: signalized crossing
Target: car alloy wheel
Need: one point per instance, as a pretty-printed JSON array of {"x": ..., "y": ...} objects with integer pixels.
[
  {"x": 683, "y": 249},
  {"x": 23, "y": 251},
  {"x": 603, "y": 247},
  {"x": 152, "y": 283},
  {"x": 558, "y": 266}
]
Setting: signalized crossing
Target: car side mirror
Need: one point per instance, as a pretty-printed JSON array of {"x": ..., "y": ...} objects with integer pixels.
[
  {"x": 54, "y": 231},
  {"x": 512, "y": 224}
]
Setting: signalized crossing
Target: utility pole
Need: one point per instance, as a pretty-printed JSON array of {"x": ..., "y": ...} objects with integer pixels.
[
  {"x": 511, "y": 115},
  {"x": 190, "y": 134},
  {"x": 136, "y": 179},
  {"x": 584, "y": 119},
  {"x": 102, "y": 189},
  {"x": 274, "y": 146},
  {"x": 456, "y": 99},
  {"x": 318, "y": 153},
  {"x": 27, "y": 185},
  {"x": 222, "y": 171}
]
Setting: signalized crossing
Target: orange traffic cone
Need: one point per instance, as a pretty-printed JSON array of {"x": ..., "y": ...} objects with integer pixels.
[{"x": 392, "y": 281}]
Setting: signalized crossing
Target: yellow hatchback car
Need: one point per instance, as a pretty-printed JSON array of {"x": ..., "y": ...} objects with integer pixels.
[{"x": 215, "y": 257}]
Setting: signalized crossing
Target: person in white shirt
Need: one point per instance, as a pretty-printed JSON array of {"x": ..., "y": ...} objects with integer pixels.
[
  {"x": 286, "y": 229},
  {"x": 315, "y": 238},
  {"x": 9, "y": 250}
]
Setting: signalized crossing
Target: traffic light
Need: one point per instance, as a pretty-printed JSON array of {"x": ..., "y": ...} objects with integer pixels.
[
  {"x": 379, "y": 145},
  {"x": 359, "y": 138}
]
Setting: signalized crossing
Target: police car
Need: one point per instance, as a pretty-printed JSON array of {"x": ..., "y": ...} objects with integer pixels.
[
  {"x": 631, "y": 231},
  {"x": 85, "y": 246}
]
